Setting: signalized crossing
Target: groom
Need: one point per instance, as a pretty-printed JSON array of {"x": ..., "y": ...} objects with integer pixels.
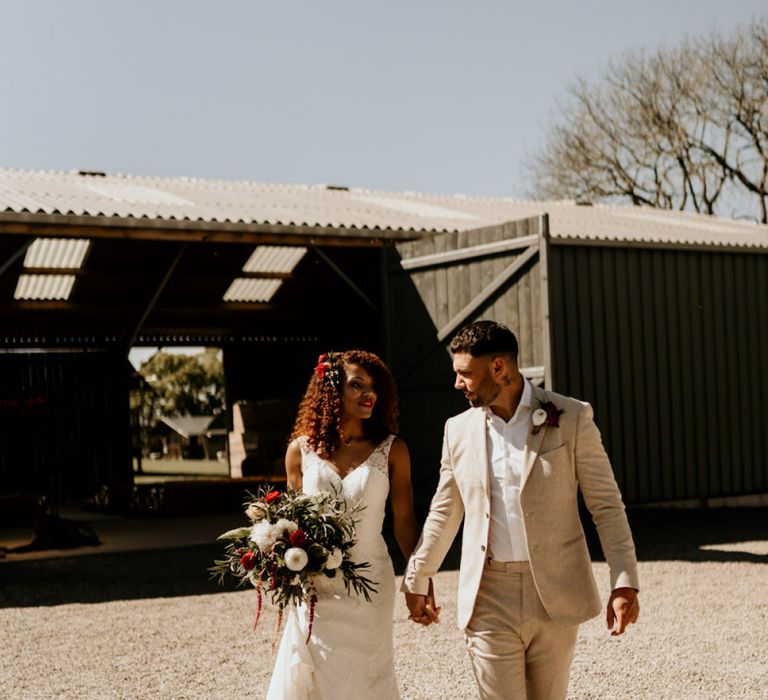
[{"x": 511, "y": 467}]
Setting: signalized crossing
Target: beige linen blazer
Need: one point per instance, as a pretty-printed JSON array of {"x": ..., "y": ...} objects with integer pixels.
[{"x": 557, "y": 462}]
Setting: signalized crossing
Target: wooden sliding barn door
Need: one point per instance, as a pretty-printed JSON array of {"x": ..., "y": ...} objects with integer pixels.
[{"x": 437, "y": 284}]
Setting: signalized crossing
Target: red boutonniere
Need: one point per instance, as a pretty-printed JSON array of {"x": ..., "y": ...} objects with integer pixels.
[{"x": 546, "y": 414}]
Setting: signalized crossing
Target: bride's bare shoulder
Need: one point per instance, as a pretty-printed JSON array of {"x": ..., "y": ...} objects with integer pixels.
[{"x": 398, "y": 452}]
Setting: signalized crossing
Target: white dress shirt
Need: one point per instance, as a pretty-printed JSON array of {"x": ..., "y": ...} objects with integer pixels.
[{"x": 506, "y": 448}]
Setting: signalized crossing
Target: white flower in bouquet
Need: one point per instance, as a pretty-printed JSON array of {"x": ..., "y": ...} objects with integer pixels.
[
  {"x": 296, "y": 558},
  {"x": 309, "y": 540},
  {"x": 265, "y": 534},
  {"x": 286, "y": 525},
  {"x": 334, "y": 559},
  {"x": 256, "y": 511}
]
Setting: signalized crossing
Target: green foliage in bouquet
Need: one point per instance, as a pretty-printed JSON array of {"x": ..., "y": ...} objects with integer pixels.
[{"x": 293, "y": 538}]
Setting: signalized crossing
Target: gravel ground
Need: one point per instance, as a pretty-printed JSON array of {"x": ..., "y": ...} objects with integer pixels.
[{"x": 149, "y": 625}]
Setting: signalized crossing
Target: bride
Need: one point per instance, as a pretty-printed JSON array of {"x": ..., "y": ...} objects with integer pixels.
[{"x": 344, "y": 441}]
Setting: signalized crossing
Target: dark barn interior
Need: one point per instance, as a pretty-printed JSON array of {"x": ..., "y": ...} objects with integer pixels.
[{"x": 64, "y": 371}]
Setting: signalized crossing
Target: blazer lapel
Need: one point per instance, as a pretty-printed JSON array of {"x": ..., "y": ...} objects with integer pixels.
[
  {"x": 534, "y": 440},
  {"x": 478, "y": 445}
]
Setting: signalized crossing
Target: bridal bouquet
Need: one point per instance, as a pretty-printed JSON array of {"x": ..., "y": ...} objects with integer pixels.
[{"x": 293, "y": 539}]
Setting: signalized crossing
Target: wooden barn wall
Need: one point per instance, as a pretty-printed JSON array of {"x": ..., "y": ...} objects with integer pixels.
[
  {"x": 64, "y": 423},
  {"x": 422, "y": 302},
  {"x": 670, "y": 348}
]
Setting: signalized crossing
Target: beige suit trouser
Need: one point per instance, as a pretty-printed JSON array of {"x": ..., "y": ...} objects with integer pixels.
[{"x": 518, "y": 652}]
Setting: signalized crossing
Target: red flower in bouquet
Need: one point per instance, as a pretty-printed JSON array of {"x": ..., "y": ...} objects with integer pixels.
[
  {"x": 298, "y": 538},
  {"x": 291, "y": 540}
]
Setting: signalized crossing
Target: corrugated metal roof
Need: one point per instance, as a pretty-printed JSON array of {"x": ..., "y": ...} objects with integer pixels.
[{"x": 112, "y": 198}]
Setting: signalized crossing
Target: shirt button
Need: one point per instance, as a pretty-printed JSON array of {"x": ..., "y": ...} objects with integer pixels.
[
  {"x": 487, "y": 515},
  {"x": 482, "y": 547}
]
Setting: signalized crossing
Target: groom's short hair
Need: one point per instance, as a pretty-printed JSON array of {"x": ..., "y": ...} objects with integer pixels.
[{"x": 483, "y": 338}]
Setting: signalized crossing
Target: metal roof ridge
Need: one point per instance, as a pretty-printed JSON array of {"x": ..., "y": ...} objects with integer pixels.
[
  {"x": 442, "y": 196},
  {"x": 73, "y": 173},
  {"x": 692, "y": 218}
]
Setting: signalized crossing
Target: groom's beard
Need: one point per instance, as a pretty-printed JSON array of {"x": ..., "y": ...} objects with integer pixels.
[{"x": 486, "y": 393}]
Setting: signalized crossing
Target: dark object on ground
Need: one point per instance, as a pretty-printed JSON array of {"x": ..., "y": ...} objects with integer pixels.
[{"x": 53, "y": 532}]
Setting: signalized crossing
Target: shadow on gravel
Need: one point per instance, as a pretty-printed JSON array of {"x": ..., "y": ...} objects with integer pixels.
[
  {"x": 660, "y": 534},
  {"x": 97, "y": 578},
  {"x": 679, "y": 534}
]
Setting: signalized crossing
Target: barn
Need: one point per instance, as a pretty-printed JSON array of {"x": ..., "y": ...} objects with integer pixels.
[{"x": 658, "y": 318}]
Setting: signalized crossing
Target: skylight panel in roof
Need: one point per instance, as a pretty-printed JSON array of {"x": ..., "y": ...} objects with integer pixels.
[
  {"x": 426, "y": 211},
  {"x": 135, "y": 194},
  {"x": 57, "y": 253},
  {"x": 274, "y": 258},
  {"x": 252, "y": 290},
  {"x": 44, "y": 287}
]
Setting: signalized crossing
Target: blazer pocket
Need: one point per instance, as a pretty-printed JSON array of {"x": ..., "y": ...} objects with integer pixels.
[
  {"x": 554, "y": 456},
  {"x": 560, "y": 455},
  {"x": 556, "y": 465}
]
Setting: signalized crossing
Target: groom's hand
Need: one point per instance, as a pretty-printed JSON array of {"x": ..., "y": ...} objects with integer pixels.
[
  {"x": 422, "y": 608},
  {"x": 623, "y": 609}
]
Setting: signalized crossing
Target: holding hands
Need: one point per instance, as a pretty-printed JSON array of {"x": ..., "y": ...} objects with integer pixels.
[{"x": 422, "y": 609}]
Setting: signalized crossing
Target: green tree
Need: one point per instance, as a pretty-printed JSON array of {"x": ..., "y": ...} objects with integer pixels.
[{"x": 178, "y": 385}]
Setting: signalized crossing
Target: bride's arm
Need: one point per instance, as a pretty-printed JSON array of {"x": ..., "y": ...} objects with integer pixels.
[
  {"x": 293, "y": 465},
  {"x": 404, "y": 517},
  {"x": 401, "y": 497}
]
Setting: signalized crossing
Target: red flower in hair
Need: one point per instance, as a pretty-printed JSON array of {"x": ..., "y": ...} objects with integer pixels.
[
  {"x": 272, "y": 496},
  {"x": 322, "y": 366}
]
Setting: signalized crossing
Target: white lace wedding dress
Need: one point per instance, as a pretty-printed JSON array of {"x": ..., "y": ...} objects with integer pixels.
[{"x": 350, "y": 654}]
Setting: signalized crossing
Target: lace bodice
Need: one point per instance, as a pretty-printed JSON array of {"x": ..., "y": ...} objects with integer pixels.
[{"x": 367, "y": 484}]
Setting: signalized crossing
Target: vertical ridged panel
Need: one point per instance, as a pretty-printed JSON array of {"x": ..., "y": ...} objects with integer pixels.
[{"x": 670, "y": 348}]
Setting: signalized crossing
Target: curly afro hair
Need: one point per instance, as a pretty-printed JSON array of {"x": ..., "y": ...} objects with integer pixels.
[{"x": 321, "y": 414}]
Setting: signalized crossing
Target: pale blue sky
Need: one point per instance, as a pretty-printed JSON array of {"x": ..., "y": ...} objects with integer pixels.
[{"x": 432, "y": 96}]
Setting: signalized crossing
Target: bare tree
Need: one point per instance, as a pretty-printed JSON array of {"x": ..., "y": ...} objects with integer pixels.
[{"x": 682, "y": 128}]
